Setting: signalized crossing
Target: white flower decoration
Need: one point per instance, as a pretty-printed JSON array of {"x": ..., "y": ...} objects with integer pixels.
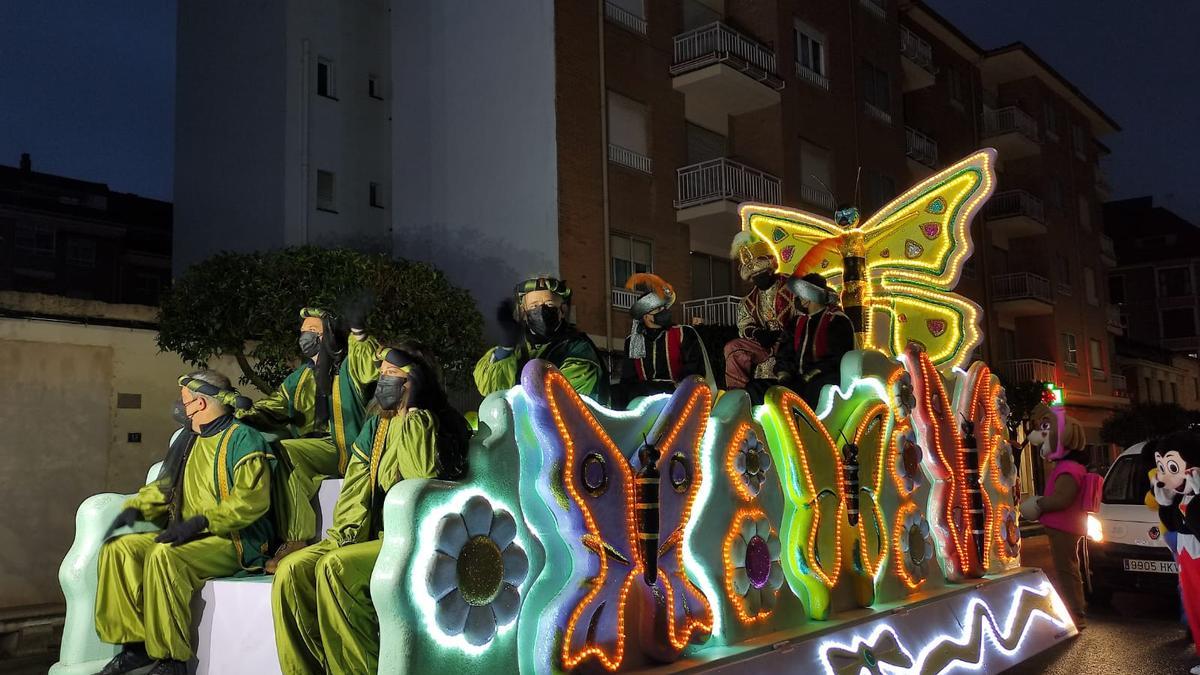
[
  {"x": 1011, "y": 534},
  {"x": 752, "y": 463},
  {"x": 753, "y": 550},
  {"x": 1002, "y": 407},
  {"x": 908, "y": 461},
  {"x": 916, "y": 544},
  {"x": 476, "y": 571},
  {"x": 1006, "y": 465}
]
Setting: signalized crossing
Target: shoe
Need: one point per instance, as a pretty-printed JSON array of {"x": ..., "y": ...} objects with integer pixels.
[
  {"x": 129, "y": 660},
  {"x": 1195, "y": 670},
  {"x": 169, "y": 667},
  {"x": 282, "y": 552}
]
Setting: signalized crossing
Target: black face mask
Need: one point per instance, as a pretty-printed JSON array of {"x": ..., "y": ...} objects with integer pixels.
[
  {"x": 763, "y": 281},
  {"x": 310, "y": 343},
  {"x": 389, "y": 391},
  {"x": 662, "y": 319},
  {"x": 179, "y": 414},
  {"x": 544, "y": 321}
]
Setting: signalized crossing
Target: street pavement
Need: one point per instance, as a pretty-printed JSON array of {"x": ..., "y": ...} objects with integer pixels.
[{"x": 1138, "y": 635}]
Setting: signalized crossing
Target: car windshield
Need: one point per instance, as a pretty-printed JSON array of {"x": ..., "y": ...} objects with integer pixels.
[{"x": 1127, "y": 482}]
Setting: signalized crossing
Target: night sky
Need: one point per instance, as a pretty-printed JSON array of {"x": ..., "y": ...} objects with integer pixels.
[{"x": 88, "y": 85}]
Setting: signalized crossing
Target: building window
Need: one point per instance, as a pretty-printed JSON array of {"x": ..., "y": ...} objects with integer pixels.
[
  {"x": 877, "y": 88},
  {"x": 1089, "y": 286},
  {"x": 712, "y": 277},
  {"x": 325, "y": 79},
  {"x": 1079, "y": 141},
  {"x": 1162, "y": 392},
  {"x": 1116, "y": 289},
  {"x": 954, "y": 83},
  {"x": 810, "y": 51},
  {"x": 376, "y": 195},
  {"x": 1174, "y": 392},
  {"x": 147, "y": 286},
  {"x": 816, "y": 179},
  {"x": 628, "y": 127},
  {"x": 374, "y": 88},
  {"x": 1095, "y": 355},
  {"x": 1179, "y": 322},
  {"x": 81, "y": 252},
  {"x": 703, "y": 145},
  {"x": 326, "y": 191},
  {"x": 1064, "y": 274},
  {"x": 1070, "y": 351},
  {"x": 1174, "y": 282},
  {"x": 630, "y": 256},
  {"x": 1050, "y": 120},
  {"x": 878, "y": 190},
  {"x": 1085, "y": 214},
  {"x": 35, "y": 240}
]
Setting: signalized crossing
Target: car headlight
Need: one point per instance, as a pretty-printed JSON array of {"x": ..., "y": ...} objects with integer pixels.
[{"x": 1095, "y": 528}]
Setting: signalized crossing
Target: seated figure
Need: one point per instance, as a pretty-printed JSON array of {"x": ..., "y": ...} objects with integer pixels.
[
  {"x": 212, "y": 499},
  {"x": 823, "y": 334},
  {"x": 321, "y": 602},
  {"x": 765, "y": 318}
]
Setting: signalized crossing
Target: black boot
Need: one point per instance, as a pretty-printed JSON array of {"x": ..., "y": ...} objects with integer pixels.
[
  {"x": 169, "y": 667},
  {"x": 132, "y": 657}
]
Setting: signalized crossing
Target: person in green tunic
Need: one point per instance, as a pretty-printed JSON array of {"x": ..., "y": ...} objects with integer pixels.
[
  {"x": 320, "y": 597},
  {"x": 534, "y": 326},
  {"x": 212, "y": 499},
  {"x": 317, "y": 411}
]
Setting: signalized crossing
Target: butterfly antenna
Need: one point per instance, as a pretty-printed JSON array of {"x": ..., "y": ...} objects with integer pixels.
[
  {"x": 828, "y": 189},
  {"x": 857, "y": 181}
]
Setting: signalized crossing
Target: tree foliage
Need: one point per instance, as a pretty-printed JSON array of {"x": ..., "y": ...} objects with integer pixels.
[
  {"x": 1141, "y": 421},
  {"x": 246, "y": 305},
  {"x": 1022, "y": 398}
]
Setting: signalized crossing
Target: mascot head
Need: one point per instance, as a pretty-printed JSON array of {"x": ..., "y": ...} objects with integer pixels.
[{"x": 1175, "y": 462}]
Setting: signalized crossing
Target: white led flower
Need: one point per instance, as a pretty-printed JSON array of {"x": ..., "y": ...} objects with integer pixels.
[
  {"x": 1006, "y": 465},
  {"x": 752, "y": 463},
  {"x": 916, "y": 546},
  {"x": 908, "y": 461},
  {"x": 476, "y": 571},
  {"x": 753, "y": 551},
  {"x": 1002, "y": 407}
]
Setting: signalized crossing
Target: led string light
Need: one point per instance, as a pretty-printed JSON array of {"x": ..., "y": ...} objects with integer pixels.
[
  {"x": 881, "y": 412},
  {"x": 731, "y": 452},
  {"x": 701, "y": 574},
  {"x": 902, "y": 513},
  {"x": 738, "y": 602},
  {"x": 789, "y": 401}
]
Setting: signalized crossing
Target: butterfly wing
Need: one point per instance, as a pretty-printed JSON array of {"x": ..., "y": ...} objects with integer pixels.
[
  {"x": 872, "y": 435},
  {"x": 795, "y": 236},
  {"x": 944, "y": 324},
  {"x": 925, "y": 233},
  {"x": 596, "y": 496}
]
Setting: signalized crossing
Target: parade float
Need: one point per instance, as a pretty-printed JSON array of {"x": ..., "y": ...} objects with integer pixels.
[{"x": 875, "y": 531}]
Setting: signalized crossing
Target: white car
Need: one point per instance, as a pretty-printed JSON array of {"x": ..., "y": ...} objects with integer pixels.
[{"x": 1126, "y": 544}]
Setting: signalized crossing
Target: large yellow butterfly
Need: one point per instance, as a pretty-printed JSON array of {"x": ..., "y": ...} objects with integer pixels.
[{"x": 909, "y": 256}]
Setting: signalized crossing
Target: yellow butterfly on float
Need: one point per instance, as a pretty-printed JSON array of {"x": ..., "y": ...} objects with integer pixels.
[{"x": 903, "y": 261}]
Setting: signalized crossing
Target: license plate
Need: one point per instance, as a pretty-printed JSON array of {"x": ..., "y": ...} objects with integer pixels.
[{"x": 1157, "y": 566}]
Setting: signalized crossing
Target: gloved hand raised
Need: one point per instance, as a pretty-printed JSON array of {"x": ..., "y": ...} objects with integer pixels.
[
  {"x": 125, "y": 518},
  {"x": 510, "y": 329},
  {"x": 182, "y": 531}
]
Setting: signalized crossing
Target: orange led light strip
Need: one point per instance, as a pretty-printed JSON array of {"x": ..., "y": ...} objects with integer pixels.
[{"x": 738, "y": 602}]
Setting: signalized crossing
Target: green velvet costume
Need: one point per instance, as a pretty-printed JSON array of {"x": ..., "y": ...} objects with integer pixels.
[
  {"x": 309, "y": 454},
  {"x": 324, "y": 618},
  {"x": 573, "y": 354},
  {"x": 145, "y": 589}
]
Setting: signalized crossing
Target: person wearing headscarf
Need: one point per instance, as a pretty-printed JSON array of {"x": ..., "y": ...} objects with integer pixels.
[
  {"x": 658, "y": 352},
  {"x": 318, "y": 411},
  {"x": 320, "y": 597},
  {"x": 534, "y": 325},
  {"x": 765, "y": 317},
  {"x": 823, "y": 334},
  {"x": 212, "y": 500}
]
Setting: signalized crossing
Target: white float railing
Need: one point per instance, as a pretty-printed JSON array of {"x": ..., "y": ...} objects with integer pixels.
[{"x": 716, "y": 311}]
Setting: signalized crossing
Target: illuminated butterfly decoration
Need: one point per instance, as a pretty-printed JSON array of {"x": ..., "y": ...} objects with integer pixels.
[
  {"x": 902, "y": 262},
  {"x": 958, "y": 507},
  {"x": 833, "y": 526},
  {"x": 883, "y": 648},
  {"x": 623, "y": 514}
]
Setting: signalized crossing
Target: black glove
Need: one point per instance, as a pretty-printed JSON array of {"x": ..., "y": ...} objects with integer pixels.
[
  {"x": 510, "y": 329},
  {"x": 124, "y": 519},
  {"x": 182, "y": 531},
  {"x": 767, "y": 338}
]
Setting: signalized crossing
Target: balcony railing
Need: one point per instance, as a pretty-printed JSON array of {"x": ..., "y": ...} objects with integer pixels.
[
  {"x": 1119, "y": 385},
  {"x": 915, "y": 49},
  {"x": 1016, "y": 203},
  {"x": 1028, "y": 370},
  {"x": 1007, "y": 120},
  {"x": 719, "y": 179},
  {"x": 920, "y": 147},
  {"x": 629, "y": 158},
  {"x": 718, "y": 43},
  {"x": 622, "y": 298},
  {"x": 876, "y": 7},
  {"x": 877, "y": 113},
  {"x": 1107, "y": 248},
  {"x": 718, "y": 311},
  {"x": 1021, "y": 285},
  {"x": 811, "y": 76},
  {"x": 624, "y": 17},
  {"x": 817, "y": 195}
]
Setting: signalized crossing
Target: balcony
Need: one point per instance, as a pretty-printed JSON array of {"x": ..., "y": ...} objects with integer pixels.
[
  {"x": 1017, "y": 371},
  {"x": 1013, "y": 133},
  {"x": 1189, "y": 344},
  {"x": 818, "y": 196},
  {"x": 629, "y": 158},
  {"x": 921, "y": 150},
  {"x": 623, "y": 299},
  {"x": 718, "y": 311},
  {"x": 1108, "y": 252},
  {"x": 875, "y": 7},
  {"x": 811, "y": 76},
  {"x": 624, "y": 18},
  {"x": 708, "y": 194},
  {"x": 721, "y": 72},
  {"x": 1013, "y": 214},
  {"x": 917, "y": 63},
  {"x": 1022, "y": 294},
  {"x": 1113, "y": 319},
  {"x": 1120, "y": 387}
]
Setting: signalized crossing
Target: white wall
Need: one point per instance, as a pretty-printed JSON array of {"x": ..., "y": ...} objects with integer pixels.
[{"x": 473, "y": 140}]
